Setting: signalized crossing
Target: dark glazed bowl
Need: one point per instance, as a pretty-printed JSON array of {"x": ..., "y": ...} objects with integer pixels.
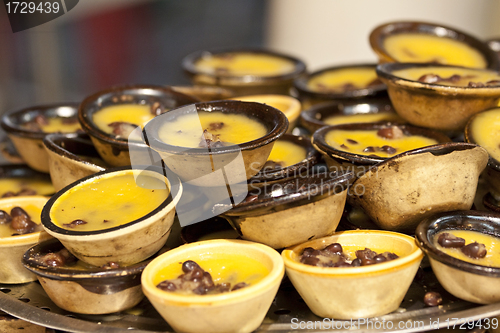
[
  {"x": 115, "y": 151},
  {"x": 91, "y": 291},
  {"x": 205, "y": 93},
  {"x": 71, "y": 156},
  {"x": 313, "y": 118},
  {"x": 465, "y": 280},
  {"x": 22, "y": 171},
  {"x": 342, "y": 160},
  {"x": 380, "y": 33},
  {"x": 436, "y": 106},
  {"x": 309, "y": 96},
  {"x": 196, "y": 164},
  {"x": 292, "y": 211},
  {"x": 244, "y": 84},
  {"x": 28, "y": 143}
]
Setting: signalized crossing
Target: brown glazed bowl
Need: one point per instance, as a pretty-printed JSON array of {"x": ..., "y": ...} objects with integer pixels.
[
  {"x": 342, "y": 160},
  {"x": 401, "y": 191},
  {"x": 465, "y": 280},
  {"x": 204, "y": 93},
  {"x": 292, "y": 211},
  {"x": 314, "y": 118},
  {"x": 72, "y": 156},
  {"x": 24, "y": 181},
  {"x": 115, "y": 151},
  {"x": 88, "y": 291},
  {"x": 380, "y": 33},
  {"x": 28, "y": 142},
  {"x": 436, "y": 106},
  {"x": 310, "y": 97},
  {"x": 247, "y": 84},
  {"x": 196, "y": 165}
]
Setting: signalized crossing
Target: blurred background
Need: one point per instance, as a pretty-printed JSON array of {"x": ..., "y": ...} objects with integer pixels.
[{"x": 103, "y": 43}]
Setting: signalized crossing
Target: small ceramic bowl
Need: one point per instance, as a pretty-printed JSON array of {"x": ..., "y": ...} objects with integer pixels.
[
  {"x": 315, "y": 87},
  {"x": 71, "y": 156},
  {"x": 401, "y": 191},
  {"x": 355, "y": 292},
  {"x": 125, "y": 244},
  {"x": 241, "y": 310},
  {"x": 292, "y": 211},
  {"x": 465, "y": 280},
  {"x": 380, "y": 34},
  {"x": 289, "y": 105},
  {"x": 86, "y": 289},
  {"x": 196, "y": 165},
  {"x": 204, "y": 93},
  {"x": 12, "y": 248},
  {"x": 214, "y": 228},
  {"x": 331, "y": 113},
  {"x": 21, "y": 180},
  {"x": 268, "y": 176},
  {"x": 22, "y": 127},
  {"x": 436, "y": 106},
  {"x": 338, "y": 160},
  {"x": 240, "y": 70},
  {"x": 115, "y": 151}
]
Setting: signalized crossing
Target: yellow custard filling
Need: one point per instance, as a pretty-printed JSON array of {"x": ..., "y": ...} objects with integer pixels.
[
  {"x": 109, "y": 201},
  {"x": 18, "y": 184},
  {"x": 60, "y": 125},
  {"x": 358, "y": 141},
  {"x": 362, "y": 118},
  {"x": 287, "y": 153},
  {"x": 137, "y": 114},
  {"x": 415, "y": 47},
  {"x": 240, "y": 64},
  {"x": 485, "y": 129},
  {"x": 187, "y": 130},
  {"x": 223, "y": 267},
  {"x": 341, "y": 80},
  {"x": 491, "y": 243},
  {"x": 33, "y": 211},
  {"x": 465, "y": 75}
]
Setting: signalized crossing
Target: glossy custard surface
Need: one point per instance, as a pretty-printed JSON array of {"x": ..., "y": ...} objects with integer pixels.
[
  {"x": 466, "y": 75},
  {"x": 491, "y": 243},
  {"x": 485, "y": 129},
  {"x": 61, "y": 125},
  {"x": 137, "y": 114},
  {"x": 187, "y": 130},
  {"x": 341, "y": 80},
  {"x": 224, "y": 268},
  {"x": 287, "y": 152},
  {"x": 109, "y": 201},
  {"x": 343, "y": 140},
  {"x": 240, "y": 64},
  {"x": 18, "y": 184},
  {"x": 33, "y": 211},
  {"x": 415, "y": 47},
  {"x": 362, "y": 118}
]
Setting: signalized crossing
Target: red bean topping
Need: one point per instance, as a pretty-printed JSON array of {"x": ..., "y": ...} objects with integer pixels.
[
  {"x": 8, "y": 194},
  {"x": 334, "y": 248},
  {"x": 369, "y": 149},
  {"x": 215, "y": 126},
  {"x": 167, "y": 286},
  {"x": 388, "y": 149},
  {"x": 75, "y": 223},
  {"x": 239, "y": 286},
  {"x": 53, "y": 259},
  {"x": 351, "y": 141},
  {"x": 366, "y": 254},
  {"x": 26, "y": 191},
  {"x": 209, "y": 140},
  {"x": 433, "y": 298},
  {"x": 18, "y": 211},
  {"x": 476, "y": 84},
  {"x": 474, "y": 250},
  {"x": 493, "y": 83},
  {"x": 157, "y": 109},
  {"x": 429, "y": 78},
  {"x": 22, "y": 224},
  {"x": 449, "y": 240},
  {"x": 333, "y": 256},
  {"x": 4, "y": 217},
  {"x": 393, "y": 132},
  {"x": 343, "y": 146},
  {"x": 122, "y": 129}
]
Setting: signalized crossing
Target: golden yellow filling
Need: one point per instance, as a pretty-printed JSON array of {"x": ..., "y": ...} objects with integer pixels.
[
  {"x": 187, "y": 130},
  {"x": 33, "y": 211},
  {"x": 415, "y": 47},
  {"x": 491, "y": 243},
  {"x": 362, "y": 118},
  {"x": 360, "y": 141},
  {"x": 457, "y": 77},
  {"x": 18, "y": 184},
  {"x": 223, "y": 267},
  {"x": 60, "y": 125},
  {"x": 137, "y": 114},
  {"x": 485, "y": 129},
  {"x": 109, "y": 201},
  {"x": 287, "y": 153},
  {"x": 240, "y": 64},
  {"x": 340, "y": 80}
]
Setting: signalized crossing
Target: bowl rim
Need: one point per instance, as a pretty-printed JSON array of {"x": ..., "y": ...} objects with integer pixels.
[
  {"x": 301, "y": 84},
  {"x": 292, "y": 103},
  {"x": 465, "y": 220},
  {"x": 385, "y": 73},
  {"x": 104, "y": 234},
  {"x": 348, "y": 272},
  {"x": 94, "y": 132},
  {"x": 10, "y": 126},
  {"x": 379, "y": 33},
  {"x": 268, "y": 282},
  {"x": 318, "y": 140},
  {"x": 278, "y": 128},
  {"x": 188, "y": 65}
]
